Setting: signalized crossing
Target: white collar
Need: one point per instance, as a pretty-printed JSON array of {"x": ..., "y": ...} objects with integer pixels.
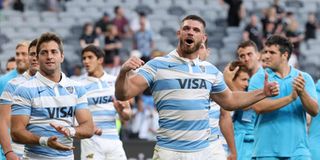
[
  {"x": 95, "y": 79},
  {"x": 51, "y": 84},
  {"x": 175, "y": 54}
]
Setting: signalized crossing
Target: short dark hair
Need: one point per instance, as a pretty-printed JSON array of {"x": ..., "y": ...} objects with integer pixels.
[
  {"x": 116, "y": 8},
  {"x": 242, "y": 68},
  {"x": 94, "y": 49},
  {"x": 33, "y": 44},
  {"x": 248, "y": 43},
  {"x": 11, "y": 59},
  {"x": 282, "y": 42},
  {"x": 196, "y": 18},
  {"x": 47, "y": 37}
]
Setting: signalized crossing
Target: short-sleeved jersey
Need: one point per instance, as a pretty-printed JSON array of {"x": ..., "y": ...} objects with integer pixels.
[
  {"x": 244, "y": 121},
  {"x": 100, "y": 94},
  {"x": 6, "y": 78},
  {"x": 48, "y": 102},
  {"x": 7, "y": 98},
  {"x": 214, "y": 117},
  {"x": 282, "y": 132},
  {"x": 181, "y": 89},
  {"x": 9, "y": 89},
  {"x": 314, "y": 131}
]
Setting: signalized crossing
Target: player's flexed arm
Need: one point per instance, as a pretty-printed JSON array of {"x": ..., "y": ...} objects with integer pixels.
[
  {"x": 232, "y": 100},
  {"x": 128, "y": 86}
]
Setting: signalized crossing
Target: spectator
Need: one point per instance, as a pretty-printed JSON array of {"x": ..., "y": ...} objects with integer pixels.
[
  {"x": 295, "y": 36},
  {"x": 88, "y": 36},
  {"x": 102, "y": 25},
  {"x": 311, "y": 27},
  {"x": 135, "y": 23},
  {"x": 270, "y": 23},
  {"x": 121, "y": 22},
  {"x": 18, "y": 5},
  {"x": 143, "y": 39},
  {"x": 112, "y": 49},
  {"x": 252, "y": 32},
  {"x": 235, "y": 13},
  {"x": 279, "y": 9},
  {"x": 11, "y": 64}
]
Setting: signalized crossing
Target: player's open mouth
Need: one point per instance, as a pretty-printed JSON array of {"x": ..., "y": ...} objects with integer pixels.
[{"x": 189, "y": 41}]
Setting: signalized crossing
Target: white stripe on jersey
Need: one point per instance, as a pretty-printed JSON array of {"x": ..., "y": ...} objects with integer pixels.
[
  {"x": 187, "y": 115},
  {"x": 181, "y": 135},
  {"x": 180, "y": 94}
]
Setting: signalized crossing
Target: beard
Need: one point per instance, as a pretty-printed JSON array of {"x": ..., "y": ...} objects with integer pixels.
[{"x": 190, "y": 50}]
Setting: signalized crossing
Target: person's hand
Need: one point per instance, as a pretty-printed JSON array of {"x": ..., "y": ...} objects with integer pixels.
[
  {"x": 53, "y": 143},
  {"x": 97, "y": 131},
  {"x": 270, "y": 88},
  {"x": 232, "y": 157},
  {"x": 119, "y": 105},
  {"x": 131, "y": 64},
  {"x": 12, "y": 156},
  {"x": 61, "y": 129},
  {"x": 298, "y": 84},
  {"x": 229, "y": 75}
]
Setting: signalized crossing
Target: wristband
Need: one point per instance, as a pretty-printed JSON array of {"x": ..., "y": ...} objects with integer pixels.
[
  {"x": 72, "y": 131},
  {"x": 43, "y": 141},
  {"x": 7, "y": 153}
]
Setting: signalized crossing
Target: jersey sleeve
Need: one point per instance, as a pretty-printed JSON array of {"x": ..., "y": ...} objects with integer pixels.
[
  {"x": 7, "y": 94},
  {"x": 219, "y": 85},
  {"x": 148, "y": 71},
  {"x": 21, "y": 101},
  {"x": 82, "y": 102},
  {"x": 310, "y": 87}
]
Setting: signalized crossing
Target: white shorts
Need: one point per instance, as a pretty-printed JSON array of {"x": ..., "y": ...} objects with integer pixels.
[
  {"x": 165, "y": 154},
  {"x": 100, "y": 148},
  {"x": 217, "y": 151}
]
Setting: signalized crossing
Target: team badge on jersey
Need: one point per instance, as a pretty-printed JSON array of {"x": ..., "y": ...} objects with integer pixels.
[{"x": 70, "y": 89}]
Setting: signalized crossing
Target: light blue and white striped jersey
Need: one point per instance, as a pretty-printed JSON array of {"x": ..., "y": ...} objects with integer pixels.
[
  {"x": 214, "y": 117},
  {"x": 7, "y": 98},
  {"x": 7, "y": 94},
  {"x": 100, "y": 93},
  {"x": 48, "y": 102},
  {"x": 181, "y": 89}
]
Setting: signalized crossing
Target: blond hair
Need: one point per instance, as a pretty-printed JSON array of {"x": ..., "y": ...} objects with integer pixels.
[{"x": 23, "y": 43}]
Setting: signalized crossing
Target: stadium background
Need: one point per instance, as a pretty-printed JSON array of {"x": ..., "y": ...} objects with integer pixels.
[{"x": 67, "y": 18}]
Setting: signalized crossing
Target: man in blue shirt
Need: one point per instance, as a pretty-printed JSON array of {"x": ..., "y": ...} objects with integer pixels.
[
  {"x": 22, "y": 62},
  {"x": 244, "y": 120},
  {"x": 280, "y": 131},
  {"x": 314, "y": 131}
]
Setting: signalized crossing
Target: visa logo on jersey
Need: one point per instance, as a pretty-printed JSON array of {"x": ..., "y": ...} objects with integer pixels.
[
  {"x": 192, "y": 83},
  {"x": 100, "y": 100},
  {"x": 60, "y": 112}
]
